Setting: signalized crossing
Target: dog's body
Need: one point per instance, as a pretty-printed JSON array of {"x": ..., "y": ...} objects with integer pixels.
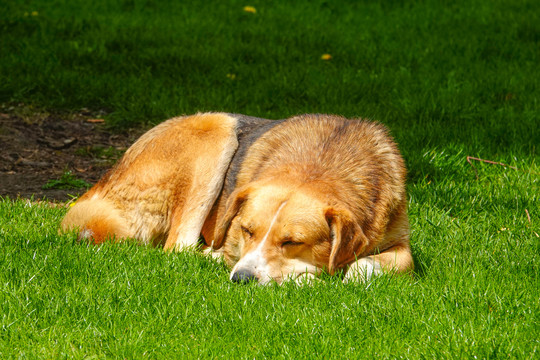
[{"x": 283, "y": 198}]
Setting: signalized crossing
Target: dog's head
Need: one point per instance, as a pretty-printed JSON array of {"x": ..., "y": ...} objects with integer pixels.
[{"x": 275, "y": 231}]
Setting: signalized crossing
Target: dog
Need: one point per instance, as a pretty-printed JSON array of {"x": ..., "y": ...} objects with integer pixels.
[{"x": 280, "y": 199}]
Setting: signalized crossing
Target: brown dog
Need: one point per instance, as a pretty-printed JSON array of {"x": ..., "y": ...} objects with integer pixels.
[{"x": 283, "y": 198}]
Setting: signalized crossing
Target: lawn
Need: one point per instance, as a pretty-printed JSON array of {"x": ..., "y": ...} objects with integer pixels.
[{"x": 450, "y": 81}]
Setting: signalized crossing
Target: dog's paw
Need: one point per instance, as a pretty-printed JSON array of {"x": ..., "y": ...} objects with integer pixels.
[
  {"x": 306, "y": 279},
  {"x": 216, "y": 254},
  {"x": 362, "y": 270}
]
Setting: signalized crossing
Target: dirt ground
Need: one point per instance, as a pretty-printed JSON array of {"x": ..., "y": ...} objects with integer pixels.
[{"x": 37, "y": 148}]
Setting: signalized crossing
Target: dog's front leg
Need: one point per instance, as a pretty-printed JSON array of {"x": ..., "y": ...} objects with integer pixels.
[
  {"x": 397, "y": 259},
  {"x": 362, "y": 270}
]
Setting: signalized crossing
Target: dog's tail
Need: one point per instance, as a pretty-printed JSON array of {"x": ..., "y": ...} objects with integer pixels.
[{"x": 96, "y": 220}]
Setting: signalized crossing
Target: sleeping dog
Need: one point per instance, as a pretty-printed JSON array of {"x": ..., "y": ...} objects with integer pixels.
[{"x": 282, "y": 200}]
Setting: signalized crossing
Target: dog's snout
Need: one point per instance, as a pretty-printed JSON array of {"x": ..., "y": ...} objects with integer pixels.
[{"x": 243, "y": 276}]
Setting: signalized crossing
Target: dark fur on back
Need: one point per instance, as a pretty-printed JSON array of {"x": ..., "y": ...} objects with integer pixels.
[{"x": 249, "y": 130}]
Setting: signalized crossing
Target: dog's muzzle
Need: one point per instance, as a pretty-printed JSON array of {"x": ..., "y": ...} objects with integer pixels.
[{"x": 243, "y": 276}]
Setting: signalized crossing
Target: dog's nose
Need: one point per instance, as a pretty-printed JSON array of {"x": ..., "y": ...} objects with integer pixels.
[{"x": 243, "y": 276}]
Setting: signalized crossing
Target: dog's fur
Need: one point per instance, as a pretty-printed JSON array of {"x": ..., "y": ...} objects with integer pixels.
[{"x": 283, "y": 199}]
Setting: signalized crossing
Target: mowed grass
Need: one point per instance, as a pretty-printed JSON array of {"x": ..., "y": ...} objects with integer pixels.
[
  {"x": 474, "y": 294},
  {"x": 465, "y": 71},
  {"x": 449, "y": 80}
]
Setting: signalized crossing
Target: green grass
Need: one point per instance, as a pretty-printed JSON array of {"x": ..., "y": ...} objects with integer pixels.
[
  {"x": 462, "y": 72},
  {"x": 475, "y": 292},
  {"x": 449, "y": 80},
  {"x": 66, "y": 181}
]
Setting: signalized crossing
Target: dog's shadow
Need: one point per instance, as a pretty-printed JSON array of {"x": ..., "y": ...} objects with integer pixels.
[{"x": 421, "y": 264}]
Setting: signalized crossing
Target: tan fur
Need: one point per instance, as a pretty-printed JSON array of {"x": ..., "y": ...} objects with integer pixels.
[
  {"x": 101, "y": 220},
  {"x": 343, "y": 186},
  {"x": 164, "y": 186},
  {"x": 314, "y": 192}
]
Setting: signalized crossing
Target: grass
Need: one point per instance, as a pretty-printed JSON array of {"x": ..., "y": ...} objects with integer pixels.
[
  {"x": 449, "y": 80},
  {"x": 66, "y": 181},
  {"x": 475, "y": 293},
  {"x": 463, "y": 72}
]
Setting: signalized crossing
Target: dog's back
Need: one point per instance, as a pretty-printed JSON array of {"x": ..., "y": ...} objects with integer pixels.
[{"x": 167, "y": 181}]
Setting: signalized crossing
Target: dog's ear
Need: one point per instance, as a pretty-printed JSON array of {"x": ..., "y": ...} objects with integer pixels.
[
  {"x": 348, "y": 239},
  {"x": 234, "y": 203}
]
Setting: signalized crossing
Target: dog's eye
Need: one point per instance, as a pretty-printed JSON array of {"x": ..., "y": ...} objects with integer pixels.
[
  {"x": 291, "y": 243},
  {"x": 246, "y": 231}
]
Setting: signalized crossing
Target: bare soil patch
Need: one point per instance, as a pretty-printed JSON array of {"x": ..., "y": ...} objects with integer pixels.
[{"x": 37, "y": 147}]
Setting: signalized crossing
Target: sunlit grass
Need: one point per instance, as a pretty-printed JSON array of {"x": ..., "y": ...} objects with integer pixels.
[{"x": 475, "y": 291}]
